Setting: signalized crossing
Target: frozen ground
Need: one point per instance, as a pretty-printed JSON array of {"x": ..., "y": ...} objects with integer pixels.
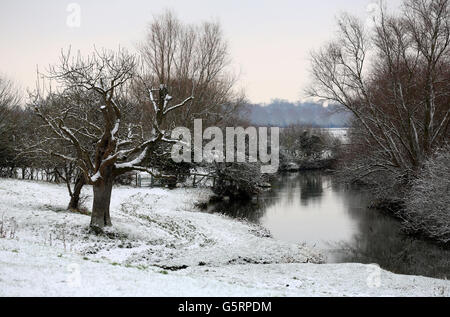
[{"x": 161, "y": 246}]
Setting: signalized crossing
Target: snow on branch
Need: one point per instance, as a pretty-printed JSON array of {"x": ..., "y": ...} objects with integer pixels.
[{"x": 167, "y": 110}]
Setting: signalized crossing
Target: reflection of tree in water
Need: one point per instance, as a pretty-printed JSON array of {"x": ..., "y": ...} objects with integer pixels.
[
  {"x": 381, "y": 241},
  {"x": 305, "y": 186},
  {"x": 311, "y": 187},
  {"x": 251, "y": 210}
]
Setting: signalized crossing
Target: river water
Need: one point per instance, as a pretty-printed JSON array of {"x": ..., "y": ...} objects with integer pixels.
[{"x": 313, "y": 209}]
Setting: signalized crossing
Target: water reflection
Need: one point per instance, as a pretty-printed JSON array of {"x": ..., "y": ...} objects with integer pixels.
[{"x": 312, "y": 208}]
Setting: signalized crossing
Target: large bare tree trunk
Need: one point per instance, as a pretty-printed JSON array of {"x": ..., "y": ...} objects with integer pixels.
[{"x": 102, "y": 198}]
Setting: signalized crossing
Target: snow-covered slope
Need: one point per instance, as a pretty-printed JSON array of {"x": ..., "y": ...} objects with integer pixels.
[
  {"x": 159, "y": 246},
  {"x": 151, "y": 227}
]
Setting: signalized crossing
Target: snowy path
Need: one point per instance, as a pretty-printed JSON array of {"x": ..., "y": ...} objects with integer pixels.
[{"x": 51, "y": 253}]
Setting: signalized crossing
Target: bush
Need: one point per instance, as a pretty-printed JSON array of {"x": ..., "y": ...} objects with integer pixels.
[
  {"x": 162, "y": 162},
  {"x": 307, "y": 148},
  {"x": 239, "y": 180},
  {"x": 427, "y": 205}
]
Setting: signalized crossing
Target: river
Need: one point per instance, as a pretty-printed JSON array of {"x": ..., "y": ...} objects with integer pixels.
[{"x": 313, "y": 209}]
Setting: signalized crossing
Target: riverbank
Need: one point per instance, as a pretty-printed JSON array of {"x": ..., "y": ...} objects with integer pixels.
[{"x": 161, "y": 246}]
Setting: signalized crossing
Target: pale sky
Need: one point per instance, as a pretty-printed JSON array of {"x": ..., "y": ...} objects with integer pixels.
[{"x": 269, "y": 40}]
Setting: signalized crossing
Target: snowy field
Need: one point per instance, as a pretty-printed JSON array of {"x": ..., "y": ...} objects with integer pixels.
[{"x": 160, "y": 245}]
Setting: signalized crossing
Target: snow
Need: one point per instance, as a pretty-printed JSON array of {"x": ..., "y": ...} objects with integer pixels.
[
  {"x": 115, "y": 129},
  {"x": 134, "y": 162},
  {"x": 161, "y": 246},
  {"x": 96, "y": 176}
]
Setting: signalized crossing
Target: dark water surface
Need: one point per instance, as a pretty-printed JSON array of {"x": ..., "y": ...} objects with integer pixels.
[{"x": 311, "y": 208}]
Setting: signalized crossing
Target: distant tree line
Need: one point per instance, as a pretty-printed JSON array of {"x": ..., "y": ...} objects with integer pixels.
[{"x": 282, "y": 113}]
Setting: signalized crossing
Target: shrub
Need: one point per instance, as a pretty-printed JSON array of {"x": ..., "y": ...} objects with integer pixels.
[
  {"x": 239, "y": 180},
  {"x": 427, "y": 205},
  {"x": 307, "y": 148}
]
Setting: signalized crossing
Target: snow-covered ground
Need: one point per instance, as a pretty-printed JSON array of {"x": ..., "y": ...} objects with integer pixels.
[{"x": 161, "y": 246}]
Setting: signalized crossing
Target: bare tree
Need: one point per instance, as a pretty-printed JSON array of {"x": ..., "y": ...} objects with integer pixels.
[
  {"x": 192, "y": 60},
  {"x": 9, "y": 102},
  {"x": 71, "y": 174},
  {"x": 395, "y": 80},
  {"x": 104, "y": 143},
  {"x": 9, "y": 97}
]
